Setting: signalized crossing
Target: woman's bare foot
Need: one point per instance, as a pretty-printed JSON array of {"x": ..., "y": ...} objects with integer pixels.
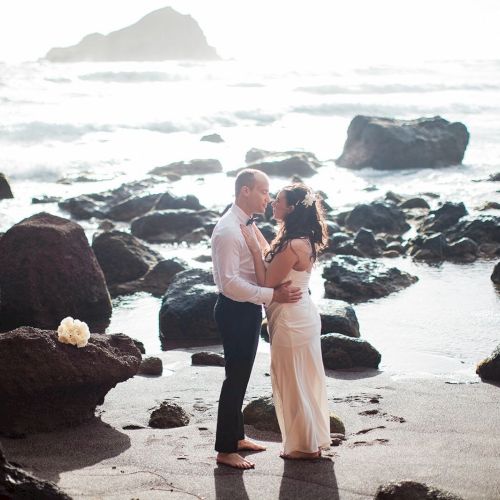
[
  {"x": 300, "y": 455},
  {"x": 247, "y": 445},
  {"x": 234, "y": 460}
]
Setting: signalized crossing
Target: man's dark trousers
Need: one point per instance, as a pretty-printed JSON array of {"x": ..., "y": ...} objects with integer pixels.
[{"x": 239, "y": 325}]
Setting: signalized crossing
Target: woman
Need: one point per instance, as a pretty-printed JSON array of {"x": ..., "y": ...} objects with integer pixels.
[{"x": 297, "y": 373}]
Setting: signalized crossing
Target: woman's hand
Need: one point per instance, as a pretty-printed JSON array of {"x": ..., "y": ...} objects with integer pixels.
[{"x": 251, "y": 238}]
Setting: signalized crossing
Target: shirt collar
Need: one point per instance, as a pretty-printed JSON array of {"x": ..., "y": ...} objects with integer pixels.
[{"x": 239, "y": 213}]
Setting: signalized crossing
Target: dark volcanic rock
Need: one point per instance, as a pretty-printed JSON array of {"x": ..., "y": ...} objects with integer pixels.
[
  {"x": 385, "y": 143},
  {"x": 187, "y": 308},
  {"x": 166, "y": 226},
  {"x": 5, "y": 191},
  {"x": 482, "y": 229},
  {"x": 64, "y": 389},
  {"x": 378, "y": 217},
  {"x": 283, "y": 165},
  {"x": 414, "y": 203},
  {"x": 261, "y": 414},
  {"x": 17, "y": 484},
  {"x": 169, "y": 202},
  {"x": 366, "y": 244},
  {"x": 444, "y": 217},
  {"x": 340, "y": 351},
  {"x": 151, "y": 366},
  {"x": 123, "y": 257},
  {"x": 126, "y": 196},
  {"x": 193, "y": 167},
  {"x": 495, "y": 275},
  {"x": 48, "y": 272},
  {"x": 357, "y": 280},
  {"x": 208, "y": 359},
  {"x": 133, "y": 207},
  {"x": 494, "y": 177},
  {"x": 411, "y": 490},
  {"x": 160, "y": 35},
  {"x": 168, "y": 416},
  {"x": 155, "y": 281},
  {"x": 489, "y": 368},
  {"x": 338, "y": 317}
]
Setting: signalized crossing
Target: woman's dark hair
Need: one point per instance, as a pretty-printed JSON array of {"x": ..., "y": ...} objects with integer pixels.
[{"x": 306, "y": 220}]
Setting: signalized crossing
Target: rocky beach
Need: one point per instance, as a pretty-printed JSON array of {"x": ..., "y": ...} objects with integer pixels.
[{"x": 114, "y": 173}]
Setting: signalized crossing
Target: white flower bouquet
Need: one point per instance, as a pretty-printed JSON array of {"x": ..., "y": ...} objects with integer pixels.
[{"x": 73, "y": 331}]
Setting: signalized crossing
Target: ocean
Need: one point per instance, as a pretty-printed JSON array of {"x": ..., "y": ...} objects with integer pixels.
[{"x": 70, "y": 129}]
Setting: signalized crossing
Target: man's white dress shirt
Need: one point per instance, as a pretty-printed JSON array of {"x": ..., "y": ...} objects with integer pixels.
[{"x": 233, "y": 267}]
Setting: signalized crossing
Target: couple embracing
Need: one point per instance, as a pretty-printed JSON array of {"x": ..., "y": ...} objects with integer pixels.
[{"x": 250, "y": 273}]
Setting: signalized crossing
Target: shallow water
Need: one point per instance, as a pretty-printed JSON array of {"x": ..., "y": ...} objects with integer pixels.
[{"x": 115, "y": 122}]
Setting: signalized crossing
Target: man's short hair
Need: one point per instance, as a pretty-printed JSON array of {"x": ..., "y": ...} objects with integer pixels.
[{"x": 245, "y": 177}]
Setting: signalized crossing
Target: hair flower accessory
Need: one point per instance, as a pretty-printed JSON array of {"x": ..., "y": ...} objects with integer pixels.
[
  {"x": 73, "y": 331},
  {"x": 309, "y": 199}
]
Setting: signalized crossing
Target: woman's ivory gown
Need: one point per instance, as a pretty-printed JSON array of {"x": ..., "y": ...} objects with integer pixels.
[{"x": 297, "y": 372}]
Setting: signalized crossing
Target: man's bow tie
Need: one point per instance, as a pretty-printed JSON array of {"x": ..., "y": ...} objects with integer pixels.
[{"x": 251, "y": 220}]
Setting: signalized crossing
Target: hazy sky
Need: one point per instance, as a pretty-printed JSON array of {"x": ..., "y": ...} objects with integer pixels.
[{"x": 378, "y": 30}]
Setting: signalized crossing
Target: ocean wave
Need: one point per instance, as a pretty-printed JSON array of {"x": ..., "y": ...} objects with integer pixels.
[
  {"x": 394, "y": 88},
  {"x": 260, "y": 117},
  {"x": 131, "y": 77},
  {"x": 36, "y": 172},
  {"x": 58, "y": 80},
  {"x": 390, "y": 110},
  {"x": 41, "y": 131}
]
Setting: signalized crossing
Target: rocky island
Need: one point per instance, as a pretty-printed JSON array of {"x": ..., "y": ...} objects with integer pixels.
[{"x": 160, "y": 35}]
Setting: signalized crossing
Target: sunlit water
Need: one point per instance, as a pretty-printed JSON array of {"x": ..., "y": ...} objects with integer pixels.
[{"x": 115, "y": 122}]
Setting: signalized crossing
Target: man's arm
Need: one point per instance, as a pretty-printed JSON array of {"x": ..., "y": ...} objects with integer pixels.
[{"x": 226, "y": 256}]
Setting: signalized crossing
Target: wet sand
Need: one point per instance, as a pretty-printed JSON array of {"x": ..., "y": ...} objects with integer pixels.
[{"x": 437, "y": 430}]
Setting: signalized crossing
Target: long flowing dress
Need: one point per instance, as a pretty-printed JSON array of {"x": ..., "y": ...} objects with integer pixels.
[{"x": 297, "y": 372}]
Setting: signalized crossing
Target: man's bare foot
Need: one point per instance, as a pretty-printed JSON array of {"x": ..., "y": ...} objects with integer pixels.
[
  {"x": 299, "y": 455},
  {"x": 247, "y": 445},
  {"x": 234, "y": 460}
]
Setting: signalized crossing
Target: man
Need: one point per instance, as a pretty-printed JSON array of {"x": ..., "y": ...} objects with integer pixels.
[{"x": 238, "y": 312}]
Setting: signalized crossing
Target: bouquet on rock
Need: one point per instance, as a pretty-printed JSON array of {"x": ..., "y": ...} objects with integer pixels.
[{"x": 73, "y": 331}]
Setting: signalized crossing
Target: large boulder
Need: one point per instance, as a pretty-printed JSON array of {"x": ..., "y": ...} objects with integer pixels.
[
  {"x": 390, "y": 144},
  {"x": 340, "y": 351},
  {"x": 123, "y": 257},
  {"x": 5, "y": 191},
  {"x": 160, "y": 35},
  {"x": 356, "y": 279},
  {"x": 482, "y": 229},
  {"x": 286, "y": 165},
  {"x": 17, "y": 484},
  {"x": 411, "y": 490},
  {"x": 186, "y": 314},
  {"x": 378, "y": 217},
  {"x": 167, "y": 226},
  {"x": 47, "y": 272},
  {"x": 155, "y": 281},
  {"x": 495, "y": 275},
  {"x": 46, "y": 385},
  {"x": 192, "y": 167},
  {"x": 489, "y": 368},
  {"x": 338, "y": 317},
  {"x": 443, "y": 217}
]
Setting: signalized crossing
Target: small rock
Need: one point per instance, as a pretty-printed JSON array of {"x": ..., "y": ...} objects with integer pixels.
[
  {"x": 489, "y": 368},
  {"x": 212, "y": 138},
  {"x": 208, "y": 359},
  {"x": 151, "y": 366},
  {"x": 411, "y": 490},
  {"x": 168, "y": 415}
]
